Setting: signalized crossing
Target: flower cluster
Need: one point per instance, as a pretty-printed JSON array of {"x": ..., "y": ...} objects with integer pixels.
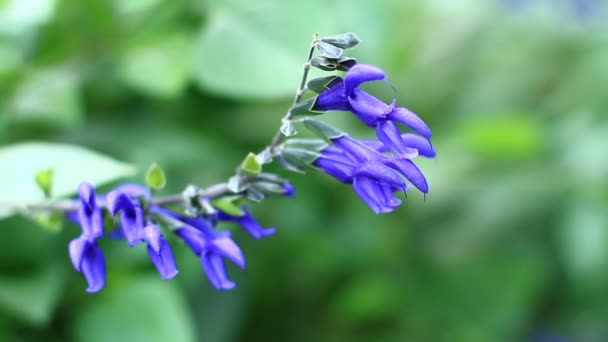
[
  {"x": 138, "y": 222},
  {"x": 375, "y": 168}
]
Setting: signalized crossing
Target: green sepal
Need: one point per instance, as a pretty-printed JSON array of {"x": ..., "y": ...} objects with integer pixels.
[
  {"x": 344, "y": 40},
  {"x": 305, "y": 108},
  {"x": 307, "y": 144},
  {"x": 321, "y": 84},
  {"x": 229, "y": 204},
  {"x": 323, "y": 129},
  {"x": 251, "y": 166},
  {"x": 290, "y": 166},
  {"x": 324, "y": 63},
  {"x": 155, "y": 177},
  {"x": 44, "y": 179},
  {"x": 329, "y": 50},
  {"x": 268, "y": 188},
  {"x": 345, "y": 63}
]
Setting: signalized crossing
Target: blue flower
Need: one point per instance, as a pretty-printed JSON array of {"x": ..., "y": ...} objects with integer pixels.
[
  {"x": 86, "y": 256},
  {"x": 249, "y": 223},
  {"x": 210, "y": 246},
  {"x": 346, "y": 96},
  {"x": 132, "y": 223},
  {"x": 375, "y": 176}
]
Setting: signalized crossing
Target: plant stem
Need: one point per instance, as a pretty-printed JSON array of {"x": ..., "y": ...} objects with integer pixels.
[{"x": 301, "y": 90}]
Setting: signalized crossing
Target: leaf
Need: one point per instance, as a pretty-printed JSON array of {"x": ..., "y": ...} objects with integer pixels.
[
  {"x": 155, "y": 177},
  {"x": 159, "y": 68},
  {"x": 48, "y": 95},
  {"x": 142, "y": 308},
  {"x": 251, "y": 166},
  {"x": 228, "y": 205},
  {"x": 241, "y": 54},
  {"x": 33, "y": 296},
  {"x": 44, "y": 179},
  {"x": 72, "y": 165},
  {"x": 329, "y": 50}
]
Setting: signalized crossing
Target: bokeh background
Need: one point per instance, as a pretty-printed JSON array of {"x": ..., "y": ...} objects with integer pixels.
[{"x": 510, "y": 245}]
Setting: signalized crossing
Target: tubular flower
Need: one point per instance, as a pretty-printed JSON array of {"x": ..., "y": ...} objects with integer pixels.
[
  {"x": 249, "y": 223},
  {"x": 210, "y": 246},
  {"x": 346, "y": 96},
  {"x": 134, "y": 231},
  {"x": 86, "y": 256},
  {"x": 375, "y": 176}
]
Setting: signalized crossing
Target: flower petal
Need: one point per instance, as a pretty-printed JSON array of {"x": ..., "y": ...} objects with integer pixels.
[
  {"x": 152, "y": 236},
  {"x": 163, "y": 259},
  {"x": 411, "y": 120},
  {"x": 337, "y": 169},
  {"x": 225, "y": 246},
  {"x": 216, "y": 271},
  {"x": 411, "y": 172},
  {"x": 249, "y": 223},
  {"x": 93, "y": 268},
  {"x": 194, "y": 238},
  {"x": 424, "y": 146},
  {"x": 355, "y": 150},
  {"x": 332, "y": 99},
  {"x": 373, "y": 194},
  {"x": 389, "y": 134},
  {"x": 77, "y": 249},
  {"x": 134, "y": 190},
  {"x": 361, "y": 73},
  {"x": 367, "y": 107},
  {"x": 381, "y": 174}
]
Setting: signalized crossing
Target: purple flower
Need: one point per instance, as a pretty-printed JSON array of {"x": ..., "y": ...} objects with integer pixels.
[
  {"x": 249, "y": 223},
  {"x": 86, "y": 256},
  {"x": 133, "y": 229},
  {"x": 210, "y": 246},
  {"x": 160, "y": 252},
  {"x": 375, "y": 176},
  {"x": 345, "y": 95}
]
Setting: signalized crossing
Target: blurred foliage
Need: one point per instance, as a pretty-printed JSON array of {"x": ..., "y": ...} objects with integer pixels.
[{"x": 511, "y": 243}]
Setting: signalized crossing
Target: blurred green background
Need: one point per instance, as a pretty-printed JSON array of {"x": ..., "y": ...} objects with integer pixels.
[{"x": 511, "y": 244}]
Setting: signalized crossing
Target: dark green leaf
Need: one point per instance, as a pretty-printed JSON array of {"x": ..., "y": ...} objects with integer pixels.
[
  {"x": 305, "y": 108},
  {"x": 321, "y": 84},
  {"x": 324, "y": 63}
]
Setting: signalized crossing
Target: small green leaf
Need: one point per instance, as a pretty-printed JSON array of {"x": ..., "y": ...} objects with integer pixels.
[
  {"x": 44, "y": 179},
  {"x": 323, "y": 129},
  {"x": 250, "y": 165},
  {"x": 228, "y": 205},
  {"x": 345, "y": 40},
  {"x": 155, "y": 177}
]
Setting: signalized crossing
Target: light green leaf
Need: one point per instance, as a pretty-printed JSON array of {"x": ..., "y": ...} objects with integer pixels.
[
  {"x": 140, "y": 309},
  {"x": 32, "y": 297},
  {"x": 251, "y": 166},
  {"x": 155, "y": 177},
  {"x": 72, "y": 165},
  {"x": 44, "y": 179},
  {"x": 159, "y": 68},
  {"x": 228, "y": 205},
  {"x": 50, "y": 96},
  {"x": 242, "y": 54}
]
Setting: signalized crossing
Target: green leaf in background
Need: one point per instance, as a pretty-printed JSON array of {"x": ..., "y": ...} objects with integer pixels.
[
  {"x": 49, "y": 96},
  {"x": 240, "y": 54},
  {"x": 155, "y": 177},
  {"x": 18, "y": 17},
  {"x": 142, "y": 308},
  {"x": 505, "y": 137},
  {"x": 44, "y": 179},
  {"x": 159, "y": 68},
  {"x": 72, "y": 165},
  {"x": 33, "y": 296}
]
